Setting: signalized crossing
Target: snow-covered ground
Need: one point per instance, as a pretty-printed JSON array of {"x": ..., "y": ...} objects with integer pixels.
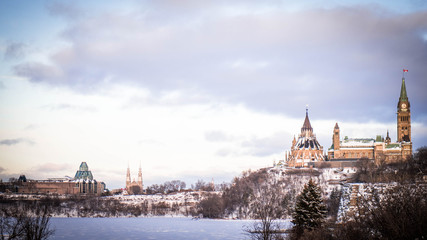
[
  {"x": 185, "y": 203},
  {"x": 178, "y": 197},
  {"x": 328, "y": 179},
  {"x": 294, "y": 179}
]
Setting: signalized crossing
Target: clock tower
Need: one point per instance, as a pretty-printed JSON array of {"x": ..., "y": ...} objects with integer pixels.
[{"x": 403, "y": 116}]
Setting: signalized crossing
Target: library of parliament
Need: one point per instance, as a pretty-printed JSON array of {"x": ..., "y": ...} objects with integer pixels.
[{"x": 306, "y": 150}]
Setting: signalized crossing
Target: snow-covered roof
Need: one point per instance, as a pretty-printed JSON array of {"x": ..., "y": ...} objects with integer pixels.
[
  {"x": 358, "y": 142},
  {"x": 307, "y": 142},
  {"x": 393, "y": 146}
]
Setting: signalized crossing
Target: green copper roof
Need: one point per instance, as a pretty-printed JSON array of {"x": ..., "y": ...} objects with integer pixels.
[
  {"x": 83, "y": 172},
  {"x": 83, "y": 167},
  {"x": 392, "y": 145},
  {"x": 403, "y": 95}
]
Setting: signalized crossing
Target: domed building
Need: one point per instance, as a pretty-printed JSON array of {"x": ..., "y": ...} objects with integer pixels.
[
  {"x": 85, "y": 182},
  {"x": 306, "y": 149}
]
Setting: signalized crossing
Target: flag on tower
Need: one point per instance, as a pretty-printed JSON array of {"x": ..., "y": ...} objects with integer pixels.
[{"x": 405, "y": 70}]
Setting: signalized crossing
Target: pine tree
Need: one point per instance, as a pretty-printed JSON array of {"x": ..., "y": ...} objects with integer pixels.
[{"x": 310, "y": 210}]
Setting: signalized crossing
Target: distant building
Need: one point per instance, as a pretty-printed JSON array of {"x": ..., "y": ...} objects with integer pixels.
[
  {"x": 85, "y": 182},
  {"x": 378, "y": 149},
  {"x": 306, "y": 149},
  {"x": 83, "y": 172},
  {"x": 133, "y": 187},
  {"x": 82, "y": 183}
]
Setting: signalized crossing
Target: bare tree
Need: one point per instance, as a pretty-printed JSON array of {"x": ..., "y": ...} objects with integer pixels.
[
  {"x": 267, "y": 207},
  {"x": 212, "y": 206},
  {"x": 21, "y": 223},
  {"x": 398, "y": 212}
]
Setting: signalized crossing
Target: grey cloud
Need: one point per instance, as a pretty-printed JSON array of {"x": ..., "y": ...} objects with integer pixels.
[
  {"x": 66, "y": 10},
  {"x": 175, "y": 98},
  {"x": 14, "y": 51},
  {"x": 276, "y": 61},
  {"x": 266, "y": 146},
  {"x": 2, "y": 169},
  {"x": 14, "y": 141},
  {"x": 38, "y": 72}
]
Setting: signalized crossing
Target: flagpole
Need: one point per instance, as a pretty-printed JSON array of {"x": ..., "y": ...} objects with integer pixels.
[{"x": 403, "y": 74}]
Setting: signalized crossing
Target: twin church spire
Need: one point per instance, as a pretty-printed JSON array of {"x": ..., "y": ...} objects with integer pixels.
[{"x": 134, "y": 187}]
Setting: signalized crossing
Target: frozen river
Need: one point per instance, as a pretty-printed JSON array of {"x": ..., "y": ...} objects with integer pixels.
[{"x": 149, "y": 228}]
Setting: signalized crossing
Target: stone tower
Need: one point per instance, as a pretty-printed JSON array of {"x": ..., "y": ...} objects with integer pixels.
[
  {"x": 336, "y": 137},
  {"x": 403, "y": 116}
]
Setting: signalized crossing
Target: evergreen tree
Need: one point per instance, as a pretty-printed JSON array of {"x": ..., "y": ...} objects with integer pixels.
[{"x": 310, "y": 210}]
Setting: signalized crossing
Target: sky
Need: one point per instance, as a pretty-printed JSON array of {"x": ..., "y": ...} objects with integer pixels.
[{"x": 194, "y": 90}]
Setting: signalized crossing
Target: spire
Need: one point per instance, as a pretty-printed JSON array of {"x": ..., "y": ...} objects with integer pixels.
[
  {"x": 306, "y": 126},
  {"x": 336, "y": 126},
  {"x": 388, "y": 139},
  {"x": 403, "y": 95},
  {"x": 127, "y": 176},
  {"x": 140, "y": 175}
]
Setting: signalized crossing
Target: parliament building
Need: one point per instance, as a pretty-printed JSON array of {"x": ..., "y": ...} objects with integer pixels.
[
  {"x": 379, "y": 149},
  {"x": 306, "y": 150}
]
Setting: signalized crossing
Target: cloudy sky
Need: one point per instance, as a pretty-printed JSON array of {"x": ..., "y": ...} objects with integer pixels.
[{"x": 199, "y": 89}]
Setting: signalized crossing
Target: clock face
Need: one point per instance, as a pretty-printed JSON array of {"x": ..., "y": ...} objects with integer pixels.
[{"x": 403, "y": 105}]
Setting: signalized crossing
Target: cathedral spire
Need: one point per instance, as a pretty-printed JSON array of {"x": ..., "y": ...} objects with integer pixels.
[
  {"x": 403, "y": 95},
  {"x": 140, "y": 174},
  {"x": 128, "y": 181}
]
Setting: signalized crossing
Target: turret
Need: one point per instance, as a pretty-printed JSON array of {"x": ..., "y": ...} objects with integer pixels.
[
  {"x": 294, "y": 142},
  {"x": 388, "y": 139}
]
